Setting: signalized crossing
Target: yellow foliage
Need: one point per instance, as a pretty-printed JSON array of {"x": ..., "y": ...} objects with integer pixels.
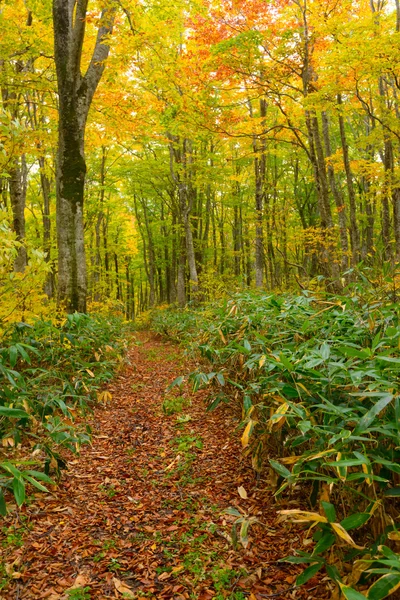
[{"x": 21, "y": 294}]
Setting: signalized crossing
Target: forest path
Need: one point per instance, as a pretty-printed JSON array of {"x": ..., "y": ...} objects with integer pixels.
[{"x": 142, "y": 512}]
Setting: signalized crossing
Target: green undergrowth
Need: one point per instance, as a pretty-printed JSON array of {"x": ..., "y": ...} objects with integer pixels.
[
  {"x": 50, "y": 375},
  {"x": 317, "y": 382}
]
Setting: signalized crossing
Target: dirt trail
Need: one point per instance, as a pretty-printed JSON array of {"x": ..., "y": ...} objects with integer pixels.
[{"x": 142, "y": 512}]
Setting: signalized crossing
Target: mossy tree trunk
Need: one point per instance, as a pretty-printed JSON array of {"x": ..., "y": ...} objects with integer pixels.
[{"x": 75, "y": 96}]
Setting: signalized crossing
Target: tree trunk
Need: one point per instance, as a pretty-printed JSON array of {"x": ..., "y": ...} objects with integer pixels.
[
  {"x": 75, "y": 96},
  {"x": 46, "y": 188},
  {"x": 354, "y": 232},
  {"x": 17, "y": 200},
  {"x": 259, "y": 174},
  {"x": 337, "y": 195}
]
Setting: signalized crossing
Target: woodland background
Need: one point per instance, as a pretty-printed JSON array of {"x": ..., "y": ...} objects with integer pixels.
[{"x": 229, "y": 144}]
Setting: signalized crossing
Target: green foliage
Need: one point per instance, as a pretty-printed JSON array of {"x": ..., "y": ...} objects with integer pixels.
[
  {"x": 174, "y": 404},
  {"x": 80, "y": 593},
  {"x": 49, "y": 375},
  {"x": 317, "y": 381}
]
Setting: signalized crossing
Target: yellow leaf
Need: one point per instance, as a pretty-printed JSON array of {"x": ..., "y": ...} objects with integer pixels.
[
  {"x": 178, "y": 569},
  {"x": 242, "y": 492},
  {"x": 342, "y": 533},
  {"x": 104, "y": 396},
  {"x": 366, "y": 470},
  {"x": 325, "y": 493},
  {"x": 7, "y": 442},
  {"x": 262, "y": 360},
  {"x": 359, "y": 566},
  {"x": 303, "y": 388},
  {"x": 90, "y": 372},
  {"x": 247, "y": 433},
  {"x": 221, "y": 335},
  {"x": 320, "y": 454},
  {"x": 233, "y": 310},
  {"x": 303, "y": 516},
  {"x": 290, "y": 460}
]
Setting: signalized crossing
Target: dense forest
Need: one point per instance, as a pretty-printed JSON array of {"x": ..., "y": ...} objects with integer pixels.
[
  {"x": 199, "y": 285},
  {"x": 205, "y": 146}
]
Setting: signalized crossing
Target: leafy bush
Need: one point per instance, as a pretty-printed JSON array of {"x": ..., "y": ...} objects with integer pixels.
[
  {"x": 49, "y": 375},
  {"x": 317, "y": 381}
]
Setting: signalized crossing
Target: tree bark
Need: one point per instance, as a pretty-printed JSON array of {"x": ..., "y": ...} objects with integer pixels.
[
  {"x": 337, "y": 195},
  {"x": 46, "y": 189},
  {"x": 75, "y": 96},
  {"x": 354, "y": 232},
  {"x": 17, "y": 200}
]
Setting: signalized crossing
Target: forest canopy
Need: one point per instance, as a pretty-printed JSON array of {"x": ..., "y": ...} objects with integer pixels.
[{"x": 215, "y": 145}]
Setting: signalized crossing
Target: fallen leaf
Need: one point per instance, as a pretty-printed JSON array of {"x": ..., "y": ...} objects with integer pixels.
[
  {"x": 122, "y": 588},
  {"x": 81, "y": 581},
  {"x": 242, "y": 492}
]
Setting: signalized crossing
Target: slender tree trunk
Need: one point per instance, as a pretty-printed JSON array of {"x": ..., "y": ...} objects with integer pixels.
[
  {"x": 46, "y": 188},
  {"x": 337, "y": 195},
  {"x": 181, "y": 291},
  {"x": 259, "y": 173},
  {"x": 354, "y": 231},
  {"x": 17, "y": 184}
]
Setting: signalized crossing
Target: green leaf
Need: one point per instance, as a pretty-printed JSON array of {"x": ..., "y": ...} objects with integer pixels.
[
  {"x": 353, "y": 352},
  {"x": 286, "y": 363},
  {"x": 13, "y": 413},
  {"x": 367, "y": 419},
  {"x": 333, "y": 572},
  {"x": 298, "y": 560},
  {"x": 243, "y": 535},
  {"x": 233, "y": 511},
  {"x": 351, "y": 462},
  {"x": 24, "y": 353},
  {"x": 325, "y": 351},
  {"x": 177, "y": 382},
  {"x": 327, "y": 540},
  {"x": 13, "y": 354},
  {"x": 35, "y": 483},
  {"x": 19, "y": 490},
  {"x": 385, "y": 586},
  {"x": 247, "y": 345},
  {"x": 3, "y": 508},
  {"x": 220, "y": 379},
  {"x": 39, "y": 475},
  {"x": 280, "y": 469},
  {"x": 329, "y": 511},
  {"x": 308, "y": 573},
  {"x": 7, "y": 466},
  {"x": 354, "y": 521},
  {"x": 216, "y": 402},
  {"x": 392, "y": 492},
  {"x": 350, "y": 593},
  {"x": 390, "y": 359},
  {"x": 247, "y": 404}
]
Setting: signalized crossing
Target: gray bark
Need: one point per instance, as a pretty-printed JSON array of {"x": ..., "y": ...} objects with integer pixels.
[
  {"x": 354, "y": 232},
  {"x": 337, "y": 194},
  {"x": 75, "y": 96},
  {"x": 46, "y": 190},
  {"x": 17, "y": 182}
]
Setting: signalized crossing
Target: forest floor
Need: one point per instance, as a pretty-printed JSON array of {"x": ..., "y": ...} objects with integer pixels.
[{"x": 142, "y": 512}]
